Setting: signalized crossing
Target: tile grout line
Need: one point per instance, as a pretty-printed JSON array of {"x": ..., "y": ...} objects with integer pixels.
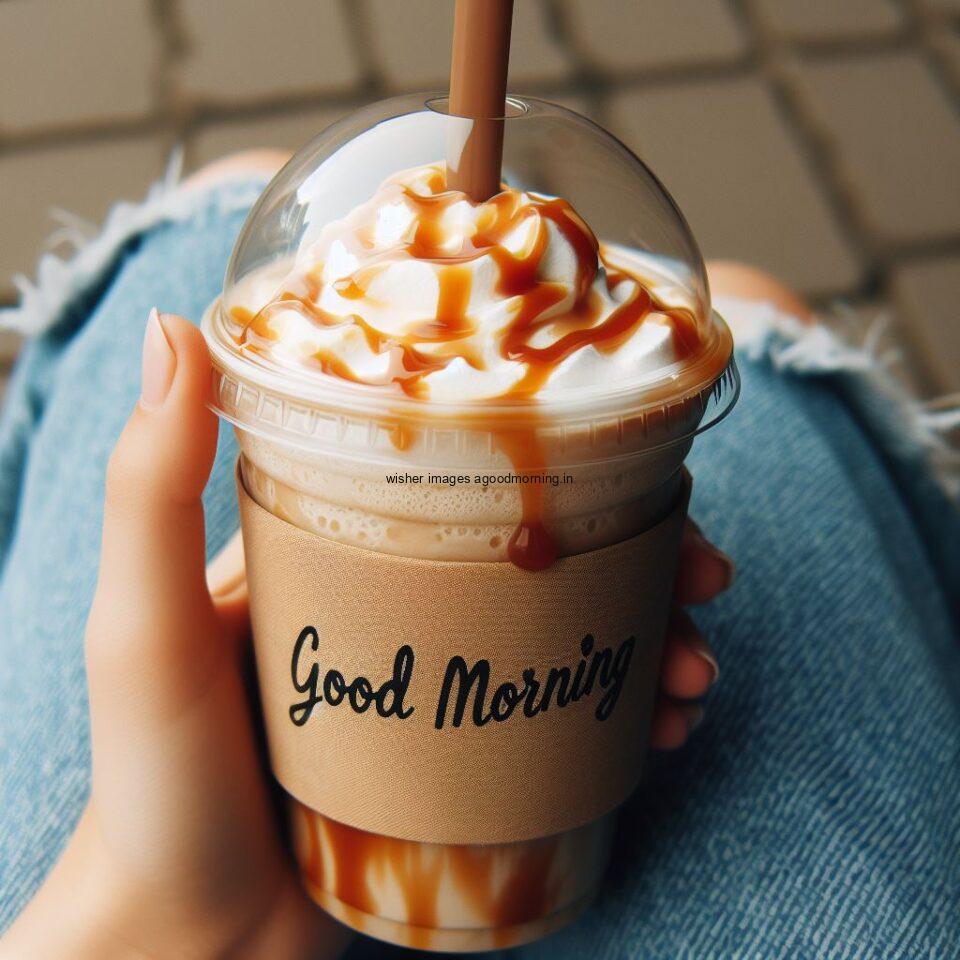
[
  {"x": 771, "y": 58},
  {"x": 580, "y": 76},
  {"x": 599, "y": 85},
  {"x": 779, "y": 69},
  {"x": 291, "y": 103},
  {"x": 357, "y": 16},
  {"x": 172, "y": 42},
  {"x": 928, "y": 27}
]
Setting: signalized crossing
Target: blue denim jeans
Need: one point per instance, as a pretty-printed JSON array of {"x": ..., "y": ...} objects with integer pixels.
[{"x": 816, "y": 813}]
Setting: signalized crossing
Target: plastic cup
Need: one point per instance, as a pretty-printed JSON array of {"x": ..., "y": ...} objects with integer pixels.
[{"x": 318, "y": 455}]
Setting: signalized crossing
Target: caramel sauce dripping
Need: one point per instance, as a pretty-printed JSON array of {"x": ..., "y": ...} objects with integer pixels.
[
  {"x": 529, "y": 891},
  {"x": 579, "y": 326},
  {"x": 401, "y": 436},
  {"x": 530, "y": 546},
  {"x": 312, "y": 862}
]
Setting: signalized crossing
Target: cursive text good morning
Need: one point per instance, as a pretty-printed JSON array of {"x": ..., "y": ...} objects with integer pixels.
[{"x": 466, "y": 692}]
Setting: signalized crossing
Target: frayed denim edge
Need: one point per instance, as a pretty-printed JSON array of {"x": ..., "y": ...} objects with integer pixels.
[
  {"x": 60, "y": 281},
  {"x": 910, "y": 427}
]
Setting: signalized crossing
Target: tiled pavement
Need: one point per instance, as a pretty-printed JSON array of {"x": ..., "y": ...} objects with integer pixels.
[{"x": 817, "y": 138}]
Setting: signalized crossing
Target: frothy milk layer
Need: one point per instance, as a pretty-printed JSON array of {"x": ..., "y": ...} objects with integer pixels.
[
  {"x": 424, "y": 291},
  {"x": 356, "y": 504}
]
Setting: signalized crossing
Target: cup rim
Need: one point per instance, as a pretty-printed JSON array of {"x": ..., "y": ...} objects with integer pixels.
[{"x": 611, "y": 425}]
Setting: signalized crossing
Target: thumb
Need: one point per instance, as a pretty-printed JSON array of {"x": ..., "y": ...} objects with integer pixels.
[
  {"x": 176, "y": 774},
  {"x": 150, "y": 626}
]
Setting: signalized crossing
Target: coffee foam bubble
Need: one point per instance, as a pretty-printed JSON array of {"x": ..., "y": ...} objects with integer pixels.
[{"x": 353, "y": 503}]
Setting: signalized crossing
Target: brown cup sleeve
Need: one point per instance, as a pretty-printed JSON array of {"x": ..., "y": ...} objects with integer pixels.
[{"x": 495, "y": 704}]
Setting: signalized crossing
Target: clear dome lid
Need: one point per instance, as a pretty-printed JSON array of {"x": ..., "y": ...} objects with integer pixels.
[{"x": 360, "y": 283}]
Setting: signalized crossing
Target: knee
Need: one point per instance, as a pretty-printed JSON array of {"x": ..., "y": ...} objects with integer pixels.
[
  {"x": 731, "y": 279},
  {"x": 262, "y": 160}
]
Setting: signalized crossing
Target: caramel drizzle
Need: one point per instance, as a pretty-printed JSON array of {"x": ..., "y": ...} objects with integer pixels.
[
  {"x": 533, "y": 299},
  {"x": 529, "y": 891}
]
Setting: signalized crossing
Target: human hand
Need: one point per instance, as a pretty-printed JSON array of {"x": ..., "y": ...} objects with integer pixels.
[
  {"x": 178, "y": 853},
  {"x": 688, "y": 667}
]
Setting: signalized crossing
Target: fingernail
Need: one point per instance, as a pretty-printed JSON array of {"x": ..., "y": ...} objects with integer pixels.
[
  {"x": 159, "y": 364},
  {"x": 693, "y": 714},
  {"x": 700, "y": 648}
]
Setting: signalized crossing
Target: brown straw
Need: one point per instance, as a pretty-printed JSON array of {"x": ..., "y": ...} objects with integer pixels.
[{"x": 478, "y": 90}]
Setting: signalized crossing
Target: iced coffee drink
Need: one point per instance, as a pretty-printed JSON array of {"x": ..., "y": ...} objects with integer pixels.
[{"x": 426, "y": 377}]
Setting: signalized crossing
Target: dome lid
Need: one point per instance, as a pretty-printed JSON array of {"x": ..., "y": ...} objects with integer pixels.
[{"x": 307, "y": 317}]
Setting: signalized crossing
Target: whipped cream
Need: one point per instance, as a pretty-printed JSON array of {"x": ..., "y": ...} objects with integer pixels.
[{"x": 449, "y": 300}]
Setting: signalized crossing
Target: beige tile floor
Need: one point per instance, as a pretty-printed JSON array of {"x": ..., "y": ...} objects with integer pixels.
[{"x": 817, "y": 138}]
